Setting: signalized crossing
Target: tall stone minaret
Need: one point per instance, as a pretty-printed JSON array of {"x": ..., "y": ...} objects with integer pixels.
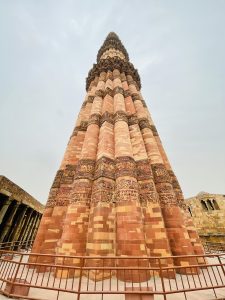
[{"x": 115, "y": 192}]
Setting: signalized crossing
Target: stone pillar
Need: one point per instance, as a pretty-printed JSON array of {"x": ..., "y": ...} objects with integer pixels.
[
  {"x": 4, "y": 209},
  {"x": 39, "y": 220},
  {"x": 29, "y": 226},
  {"x": 35, "y": 227},
  {"x": 23, "y": 225},
  {"x": 9, "y": 222},
  {"x": 18, "y": 226}
]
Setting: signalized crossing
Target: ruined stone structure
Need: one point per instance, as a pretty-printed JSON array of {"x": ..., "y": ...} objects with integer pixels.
[
  {"x": 115, "y": 192},
  {"x": 208, "y": 214},
  {"x": 20, "y": 213}
]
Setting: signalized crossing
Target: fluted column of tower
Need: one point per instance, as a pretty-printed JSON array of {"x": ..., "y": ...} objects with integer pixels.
[
  {"x": 51, "y": 225},
  {"x": 115, "y": 192},
  {"x": 195, "y": 240}
]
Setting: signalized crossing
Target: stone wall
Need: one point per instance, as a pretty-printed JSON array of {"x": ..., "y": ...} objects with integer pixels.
[{"x": 208, "y": 214}]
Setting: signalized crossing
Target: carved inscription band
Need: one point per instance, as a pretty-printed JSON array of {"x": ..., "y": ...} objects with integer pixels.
[{"x": 143, "y": 173}]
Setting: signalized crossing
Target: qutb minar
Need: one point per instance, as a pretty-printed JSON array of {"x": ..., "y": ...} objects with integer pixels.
[{"x": 115, "y": 193}]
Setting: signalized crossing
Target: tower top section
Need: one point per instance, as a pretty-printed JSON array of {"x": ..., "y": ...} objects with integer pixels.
[
  {"x": 112, "y": 43},
  {"x": 113, "y": 56}
]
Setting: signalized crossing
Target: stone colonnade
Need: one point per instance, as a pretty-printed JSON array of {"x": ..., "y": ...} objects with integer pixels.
[{"x": 19, "y": 221}]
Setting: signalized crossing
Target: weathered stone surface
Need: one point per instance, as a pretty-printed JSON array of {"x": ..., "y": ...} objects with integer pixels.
[{"x": 208, "y": 213}]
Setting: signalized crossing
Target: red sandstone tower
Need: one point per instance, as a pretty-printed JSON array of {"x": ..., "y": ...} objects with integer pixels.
[{"x": 115, "y": 192}]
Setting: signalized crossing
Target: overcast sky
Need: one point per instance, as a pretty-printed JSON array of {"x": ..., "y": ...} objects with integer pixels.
[{"x": 47, "y": 48}]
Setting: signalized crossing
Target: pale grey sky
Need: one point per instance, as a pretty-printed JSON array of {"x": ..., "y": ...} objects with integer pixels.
[{"x": 47, "y": 48}]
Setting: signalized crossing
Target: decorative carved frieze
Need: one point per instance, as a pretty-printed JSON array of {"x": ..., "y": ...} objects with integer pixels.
[
  {"x": 109, "y": 92},
  {"x": 164, "y": 187},
  {"x": 105, "y": 167},
  {"x": 132, "y": 120},
  {"x": 154, "y": 130},
  {"x": 177, "y": 190},
  {"x": 120, "y": 116},
  {"x": 118, "y": 90},
  {"x": 160, "y": 173},
  {"x": 174, "y": 180},
  {"x": 65, "y": 176},
  {"x": 112, "y": 119},
  {"x": 90, "y": 99},
  {"x": 135, "y": 97},
  {"x": 82, "y": 127},
  {"x": 126, "y": 190},
  {"x": 167, "y": 200},
  {"x": 126, "y": 93},
  {"x": 81, "y": 191},
  {"x": 100, "y": 93},
  {"x": 144, "y": 123},
  {"x": 52, "y": 197},
  {"x": 103, "y": 191},
  {"x": 62, "y": 198},
  {"x": 147, "y": 192},
  {"x": 94, "y": 119},
  {"x": 107, "y": 117},
  {"x": 57, "y": 180},
  {"x": 125, "y": 166},
  {"x": 123, "y": 77},
  {"x": 144, "y": 170},
  {"x": 60, "y": 190},
  {"x": 85, "y": 169},
  {"x": 68, "y": 174}
]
